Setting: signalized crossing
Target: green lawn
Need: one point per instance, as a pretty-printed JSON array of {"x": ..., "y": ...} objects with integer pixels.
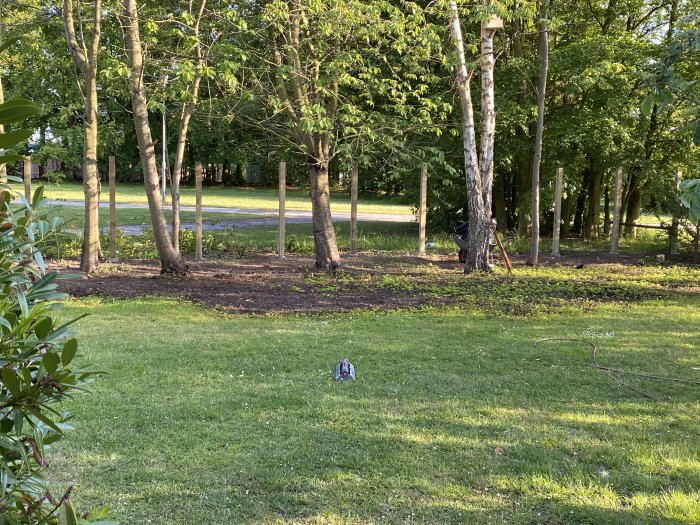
[
  {"x": 73, "y": 216},
  {"x": 231, "y": 198},
  {"x": 455, "y": 417}
]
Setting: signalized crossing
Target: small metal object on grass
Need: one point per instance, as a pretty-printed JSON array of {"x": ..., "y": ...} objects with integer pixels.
[{"x": 344, "y": 371}]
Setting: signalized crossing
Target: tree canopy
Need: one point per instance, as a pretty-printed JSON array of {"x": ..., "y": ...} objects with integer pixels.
[{"x": 322, "y": 84}]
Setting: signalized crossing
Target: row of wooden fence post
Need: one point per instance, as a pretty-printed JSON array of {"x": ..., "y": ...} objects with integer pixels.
[
  {"x": 617, "y": 208},
  {"x": 112, "y": 176},
  {"x": 422, "y": 210},
  {"x": 354, "y": 180}
]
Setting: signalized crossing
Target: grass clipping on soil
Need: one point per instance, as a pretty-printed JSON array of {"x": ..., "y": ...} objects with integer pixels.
[{"x": 267, "y": 285}]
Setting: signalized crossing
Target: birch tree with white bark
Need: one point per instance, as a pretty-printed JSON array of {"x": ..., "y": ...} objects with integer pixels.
[{"x": 478, "y": 161}]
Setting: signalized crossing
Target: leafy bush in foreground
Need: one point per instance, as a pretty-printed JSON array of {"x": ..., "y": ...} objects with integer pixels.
[{"x": 36, "y": 359}]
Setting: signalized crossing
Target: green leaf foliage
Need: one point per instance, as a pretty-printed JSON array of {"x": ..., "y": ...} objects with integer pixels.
[
  {"x": 13, "y": 137},
  {"x": 67, "y": 514},
  {"x": 34, "y": 356},
  {"x": 16, "y": 111},
  {"x": 690, "y": 198}
]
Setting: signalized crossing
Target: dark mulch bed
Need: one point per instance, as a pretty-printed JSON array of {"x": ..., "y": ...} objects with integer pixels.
[
  {"x": 268, "y": 285},
  {"x": 258, "y": 285}
]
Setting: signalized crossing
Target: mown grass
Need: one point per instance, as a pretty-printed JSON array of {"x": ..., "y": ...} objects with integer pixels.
[
  {"x": 455, "y": 417},
  {"x": 74, "y": 216},
  {"x": 217, "y": 196}
]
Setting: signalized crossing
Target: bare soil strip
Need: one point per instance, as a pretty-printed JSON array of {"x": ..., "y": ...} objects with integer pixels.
[{"x": 268, "y": 285}]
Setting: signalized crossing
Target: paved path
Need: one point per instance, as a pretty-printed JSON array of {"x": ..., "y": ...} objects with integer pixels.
[{"x": 266, "y": 217}]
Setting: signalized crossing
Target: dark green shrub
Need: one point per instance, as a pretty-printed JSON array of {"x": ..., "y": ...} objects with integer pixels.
[{"x": 37, "y": 370}]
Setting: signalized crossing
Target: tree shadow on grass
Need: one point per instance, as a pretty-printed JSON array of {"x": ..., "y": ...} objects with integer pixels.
[
  {"x": 434, "y": 431},
  {"x": 373, "y": 459}
]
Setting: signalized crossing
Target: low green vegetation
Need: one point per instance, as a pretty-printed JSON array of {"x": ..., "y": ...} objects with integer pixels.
[
  {"x": 455, "y": 416},
  {"x": 533, "y": 292},
  {"x": 644, "y": 241},
  {"x": 221, "y": 197},
  {"x": 239, "y": 242},
  {"x": 373, "y": 236}
]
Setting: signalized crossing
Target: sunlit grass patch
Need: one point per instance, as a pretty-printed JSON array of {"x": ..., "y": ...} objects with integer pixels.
[
  {"x": 219, "y": 196},
  {"x": 73, "y": 216},
  {"x": 455, "y": 417}
]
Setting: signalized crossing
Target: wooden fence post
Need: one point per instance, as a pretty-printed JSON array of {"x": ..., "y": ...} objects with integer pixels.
[
  {"x": 557, "y": 211},
  {"x": 354, "y": 180},
  {"x": 198, "y": 210},
  {"x": 112, "y": 175},
  {"x": 422, "y": 209},
  {"x": 28, "y": 184},
  {"x": 616, "y": 212},
  {"x": 282, "y": 209}
]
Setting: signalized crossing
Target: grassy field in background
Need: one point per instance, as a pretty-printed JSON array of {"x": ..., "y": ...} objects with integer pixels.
[
  {"x": 455, "y": 418},
  {"x": 74, "y": 216},
  {"x": 231, "y": 198}
]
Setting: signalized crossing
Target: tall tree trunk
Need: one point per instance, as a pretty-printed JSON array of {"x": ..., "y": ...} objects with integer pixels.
[
  {"x": 511, "y": 195},
  {"x": 577, "y": 227},
  {"x": 594, "y": 201},
  {"x": 479, "y": 174},
  {"x": 291, "y": 69},
  {"x": 499, "y": 203},
  {"x": 488, "y": 117},
  {"x": 521, "y": 175},
  {"x": 522, "y": 193},
  {"x": 606, "y": 221},
  {"x": 86, "y": 60},
  {"x": 326, "y": 246},
  {"x": 633, "y": 209},
  {"x": 591, "y": 218},
  {"x": 187, "y": 112},
  {"x": 567, "y": 208},
  {"x": 170, "y": 260},
  {"x": 537, "y": 157},
  {"x": 91, "y": 232}
]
